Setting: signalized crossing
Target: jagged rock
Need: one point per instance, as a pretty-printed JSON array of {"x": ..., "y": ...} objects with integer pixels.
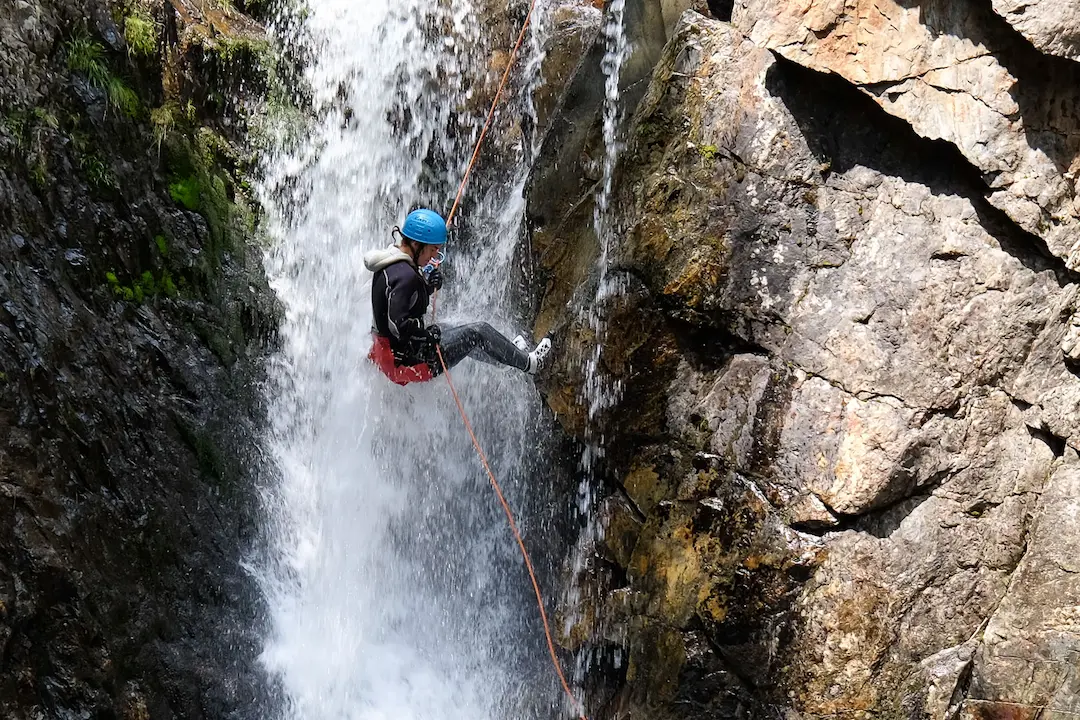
[
  {"x": 1052, "y": 25},
  {"x": 952, "y": 73},
  {"x": 1048, "y": 380},
  {"x": 862, "y": 346},
  {"x": 575, "y": 27},
  {"x": 132, "y": 330},
  {"x": 809, "y": 512},
  {"x": 1027, "y": 655}
]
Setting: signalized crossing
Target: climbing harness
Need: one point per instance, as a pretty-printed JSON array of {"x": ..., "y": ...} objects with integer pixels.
[{"x": 461, "y": 408}]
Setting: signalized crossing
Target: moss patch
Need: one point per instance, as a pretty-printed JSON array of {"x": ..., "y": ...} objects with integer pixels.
[
  {"x": 141, "y": 33},
  {"x": 144, "y": 287},
  {"x": 187, "y": 192}
]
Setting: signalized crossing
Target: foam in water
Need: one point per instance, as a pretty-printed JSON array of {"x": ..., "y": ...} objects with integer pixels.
[{"x": 394, "y": 584}]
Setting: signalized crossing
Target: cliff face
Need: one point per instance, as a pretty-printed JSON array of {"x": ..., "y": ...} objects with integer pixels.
[
  {"x": 133, "y": 313},
  {"x": 845, "y": 458}
]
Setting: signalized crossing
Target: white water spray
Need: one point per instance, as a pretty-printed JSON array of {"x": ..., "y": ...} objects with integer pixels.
[
  {"x": 600, "y": 392},
  {"x": 394, "y": 584}
]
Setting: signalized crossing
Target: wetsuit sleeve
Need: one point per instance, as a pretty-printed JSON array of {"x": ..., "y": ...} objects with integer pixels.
[{"x": 404, "y": 309}]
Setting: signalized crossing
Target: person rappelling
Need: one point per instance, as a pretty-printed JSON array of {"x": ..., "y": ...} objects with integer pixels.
[{"x": 406, "y": 274}]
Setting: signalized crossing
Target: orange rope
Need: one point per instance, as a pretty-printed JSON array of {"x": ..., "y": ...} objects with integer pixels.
[
  {"x": 517, "y": 536},
  {"x": 461, "y": 408},
  {"x": 491, "y": 114}
]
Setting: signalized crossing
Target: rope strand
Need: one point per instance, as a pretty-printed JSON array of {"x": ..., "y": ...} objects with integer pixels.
[
  {"x": 461, "y": 408},
  {"x": 491, "y": 114}
]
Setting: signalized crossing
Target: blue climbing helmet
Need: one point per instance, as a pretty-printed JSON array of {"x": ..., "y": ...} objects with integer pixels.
[{"x": 425, "y": 226}]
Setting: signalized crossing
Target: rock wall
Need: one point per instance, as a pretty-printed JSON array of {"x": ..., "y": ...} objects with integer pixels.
[
  {"x": 133, "y": 313},
  {"x": 841, "y": 475}
]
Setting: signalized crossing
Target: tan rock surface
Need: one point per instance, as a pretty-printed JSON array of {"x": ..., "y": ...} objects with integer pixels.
[
  {"x": 861, "y": 366},
  {"x": 1053, "y": 26},
  {"x": 944, "y": 68}
]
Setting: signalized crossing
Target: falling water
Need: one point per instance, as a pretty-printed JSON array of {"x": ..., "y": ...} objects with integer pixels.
[
  {"x": 396, "y": 590},
  {"x": 600, "y": 391}
]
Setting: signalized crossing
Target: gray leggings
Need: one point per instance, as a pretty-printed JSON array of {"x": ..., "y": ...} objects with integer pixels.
[{"x": 481, "y": 342}]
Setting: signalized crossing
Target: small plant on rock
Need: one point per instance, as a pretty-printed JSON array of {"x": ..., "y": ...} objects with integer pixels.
[
  {"x": 141, "y": 33},
  {"x": 123, "y": 98},
  {"x": 87, "y": 56},
  {"x": 163, "y": 120},
  {"x": 97, "y": 172}
]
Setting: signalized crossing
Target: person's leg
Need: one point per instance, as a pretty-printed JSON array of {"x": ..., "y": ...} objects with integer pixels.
[{"x": 482, "y": 342}]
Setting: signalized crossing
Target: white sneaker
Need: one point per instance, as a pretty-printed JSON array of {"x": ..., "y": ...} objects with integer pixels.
[
  {"x": 537, "y": 356},
  {"x": 521, "y": 344}
]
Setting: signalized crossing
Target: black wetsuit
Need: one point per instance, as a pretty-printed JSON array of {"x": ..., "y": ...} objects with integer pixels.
[{"x": 399, "y": 299}]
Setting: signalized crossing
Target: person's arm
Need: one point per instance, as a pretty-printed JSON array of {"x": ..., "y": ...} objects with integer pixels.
[{"x": 403, "y": 291}]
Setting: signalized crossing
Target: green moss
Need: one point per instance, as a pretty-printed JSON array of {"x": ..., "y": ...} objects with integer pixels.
[
  {"x": 167, "y": 286},
  {"x": 230, "y": 49},
  {"x": 162, "y": 245},
  {"x": 200, "y": 185},
  {"x": 187, "y": 192},
  {"x": 147, "y": 284},
  {"x": 141, "y": 33},
  {"x": 163, "y": 120},
  {"x": 708, "y": 152},
  {"x": 144, "y": 288},
  {"x": 121, "y": 291}
]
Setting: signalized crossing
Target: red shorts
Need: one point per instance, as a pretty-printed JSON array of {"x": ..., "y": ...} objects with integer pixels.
[{"x": 383, "y": 356}]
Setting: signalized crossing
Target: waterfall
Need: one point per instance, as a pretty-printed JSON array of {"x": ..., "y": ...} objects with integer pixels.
[
  {"x": 599, "y": 391},
  {"x": 395, "y": 588}
]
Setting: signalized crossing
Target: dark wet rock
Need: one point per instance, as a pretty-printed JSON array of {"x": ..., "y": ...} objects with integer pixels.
[{"x": 130, "y": 348}]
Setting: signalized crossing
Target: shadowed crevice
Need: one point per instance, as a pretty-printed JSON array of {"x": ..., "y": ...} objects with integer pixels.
[{"x": 845, "y": 128}]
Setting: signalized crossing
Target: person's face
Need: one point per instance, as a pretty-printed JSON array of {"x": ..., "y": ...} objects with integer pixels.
[{"x": 427, "y": 254}]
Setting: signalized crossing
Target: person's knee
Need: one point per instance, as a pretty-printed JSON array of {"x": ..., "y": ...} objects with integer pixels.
[{"x": 479, "y": 330}]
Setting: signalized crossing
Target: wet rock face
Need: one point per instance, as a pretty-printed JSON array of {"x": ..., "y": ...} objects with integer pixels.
[
  {"x": 847, "y": 423},
  {"x": 133, "y": 315}
]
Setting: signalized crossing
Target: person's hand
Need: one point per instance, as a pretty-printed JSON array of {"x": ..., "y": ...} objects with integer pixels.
[
  {"x": 411, "y": 327},
  {"x": 435, "y": 279},
  {"x": 434, "y": 333}
]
